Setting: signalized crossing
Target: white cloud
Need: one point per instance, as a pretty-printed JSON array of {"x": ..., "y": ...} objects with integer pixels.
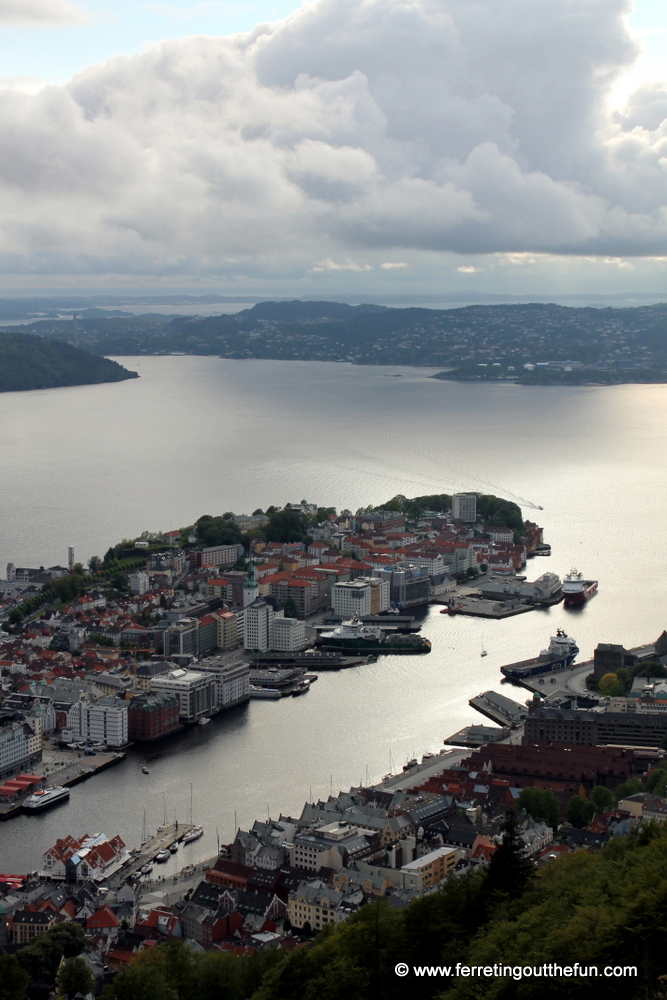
[
  {"x": 349, "y": 265},
  {"x": 40, "y": 13},
  {"x": 390, "y": 265},
  {"x": 468, "y": 269},
  {"x": 353, "y": 130}
]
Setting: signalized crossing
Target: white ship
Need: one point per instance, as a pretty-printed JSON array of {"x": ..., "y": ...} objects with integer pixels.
[{"x": 46, "y": 797}]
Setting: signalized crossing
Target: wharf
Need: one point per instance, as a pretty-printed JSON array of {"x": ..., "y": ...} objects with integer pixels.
[
  {"x": 477, "y": 736},
  {"x": 478, "y": 608},
  {"x": 499, "y": 709},
  {"x": 162, "y": 841},
  {"x": 74, "y": 771}
]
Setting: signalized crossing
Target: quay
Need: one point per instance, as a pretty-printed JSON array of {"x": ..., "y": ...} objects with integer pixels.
[
  {"x": 477, "y": 736},
  {"x": 73, "y": 772},
  {"x": 499, "y": 709},
  {"x": 478, "y": 608},
  {"x": 146, "y": 854}
]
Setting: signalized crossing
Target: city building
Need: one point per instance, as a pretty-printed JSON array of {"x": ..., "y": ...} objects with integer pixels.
[
  {"x": 139, "y": 583},
  {"x": 352, "y": 598},
  {"x": 195, "y": 691},
  {"x": 425, "y": 872},
  {"x": 89, "y": 858},
  {"x": 232, "y": 681},
  {"x": 218, "y": 555},
  {"x": 152, "y": 716},
  {"x": 17, "y": 748},
  {"x": 228, "y": 637},
  {"x": 288, "y": 634},
  {"x": 464, "y": 507},
  {"x": 103, "y": 721},
  {"x": 258, "y": 620}
]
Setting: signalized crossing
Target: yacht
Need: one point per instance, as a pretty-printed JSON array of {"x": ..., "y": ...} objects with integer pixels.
[{"x": 194, "y": 834}]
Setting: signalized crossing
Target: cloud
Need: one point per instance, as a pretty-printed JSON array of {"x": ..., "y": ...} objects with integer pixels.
[
  {"x": 390, "y": 265},
  {"x": 353, "y": 130},
  {"x": 468, "y": 269},
  {"x": 40, "y": 13},
  {"x": 348, "y": 265}
]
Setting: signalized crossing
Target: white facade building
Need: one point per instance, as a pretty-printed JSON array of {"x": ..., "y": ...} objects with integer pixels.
[
  {"x": 464, "y": 507},
  {"x": 258, "y": 620},
  {"x": 15, "y": 740},
  {"x": 380, "y": 592},
  {"x": 103, "y": 721},
  {"x": 194, "y": 689},
  {"x": 288, "y": 634},
  {"x": 232, "y": 681},
  {"x": 139, "y": 583},
  {"x": 351, "y": 598}
]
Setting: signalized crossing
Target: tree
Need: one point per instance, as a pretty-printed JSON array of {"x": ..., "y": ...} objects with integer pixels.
[
  {"x": 509, "y": 871},
  {"x": 580, "y": 811},
  {"x": 541, "y": 804},
  {"x": 602, "y": 798},
  {"x": 94, "y": 564},
  {"x": 629, "y": 787},
  {"x": 74, "y": 976},
  {"x": 611, "y": 686},
  {"x": 290, "y": 608},
  {"x": 13, "y": 978},
  {"x": 141, "y": 982}
]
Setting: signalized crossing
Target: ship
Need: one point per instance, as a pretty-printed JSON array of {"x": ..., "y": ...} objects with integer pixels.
[
  {"x": 260, "y": 692},
  {"x": 576, "y": 590},
  {"x": 355, "y": 637},
  {"x": 560, "y": 654},
  {"x": 45, "y": 798}
]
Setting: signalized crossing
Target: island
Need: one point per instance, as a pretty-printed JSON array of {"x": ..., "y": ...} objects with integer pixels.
[{"x": 31, "y": 362}]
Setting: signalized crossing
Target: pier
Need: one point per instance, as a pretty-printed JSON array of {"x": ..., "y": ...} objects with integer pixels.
[{"x": 499, "y": 709}]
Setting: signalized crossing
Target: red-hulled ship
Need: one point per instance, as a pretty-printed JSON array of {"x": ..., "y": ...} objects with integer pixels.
[{"x": 576, "y": 590}]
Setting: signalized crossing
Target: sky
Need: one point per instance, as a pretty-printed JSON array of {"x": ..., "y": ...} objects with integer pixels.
[{"x": 388, "y": 146}]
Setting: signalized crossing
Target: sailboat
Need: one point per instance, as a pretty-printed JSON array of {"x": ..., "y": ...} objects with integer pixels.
[
  {"x": 483, "y": 653},
  {"x": 197, "y": 831}
]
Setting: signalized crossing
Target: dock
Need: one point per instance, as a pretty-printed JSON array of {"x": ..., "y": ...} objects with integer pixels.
[
  {"x": 162, "y": 841},
  {"x": 477, "y": 736},
  {"x": 499, "y": 709},
  {"x": 479, "y": 608},
  {"x": 76, "y": 770}
]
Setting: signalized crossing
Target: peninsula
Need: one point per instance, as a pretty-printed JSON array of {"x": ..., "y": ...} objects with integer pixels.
[{"x": 30, "y": 362}]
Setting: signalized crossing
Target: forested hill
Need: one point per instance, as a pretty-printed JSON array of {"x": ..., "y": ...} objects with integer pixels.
[{"x": 29, "y": 362}]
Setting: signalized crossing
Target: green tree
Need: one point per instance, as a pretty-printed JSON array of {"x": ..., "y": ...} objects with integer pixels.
[
  {"x": 541, "y": 804},
  {"x": 580, "y": 811},
  {"x": 141, "y": 982},
  {"x": 74, "y": 976},
  {"x": 611, "y": 686},
  {"x": 290, "y": 608},
  {"x": 13, "y": 978},
  {"x": 94, "y": 564},
  {"x": 509, "y": 871},
  {"x": 602, "y": 798},
  {"x": 629, "y": 787}
]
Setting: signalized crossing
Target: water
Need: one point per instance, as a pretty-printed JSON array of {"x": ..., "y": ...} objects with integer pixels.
[{"x": 90, "y": 465}]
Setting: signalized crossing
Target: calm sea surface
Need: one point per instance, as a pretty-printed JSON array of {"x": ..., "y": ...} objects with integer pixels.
[{"x": 90, "y": 465}]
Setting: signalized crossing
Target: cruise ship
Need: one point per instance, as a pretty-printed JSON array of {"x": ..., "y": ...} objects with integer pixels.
[
  {"x": 355, "y": 637},
  {"x": 576, "y": 590},
  {"x": 44, "y": 798}
]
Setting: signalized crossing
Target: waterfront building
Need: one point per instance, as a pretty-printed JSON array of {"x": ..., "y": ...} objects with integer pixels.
[
  {"x": 147, "y": 671},
  {"x": 104, "y": 721},
  {"x": 288, "y": 634},
  {"x": 195, "y": 691},
  {"x": 88, "y": 858},
  {"x": 207, "y": 638},
  {"x": 232, "y": 681},
  {"x": 258, "y": 620},
  {"x": 152, "y": 716},
  {"x": 351, "y": 599},
  {"x": 18, "y": 748},
  {"x": 464, "y": 507}
]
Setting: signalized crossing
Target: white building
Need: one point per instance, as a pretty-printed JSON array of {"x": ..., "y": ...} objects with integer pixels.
[
  {"x": 288, "y": 634},
  {"x": 194, "y": 689},
  {"x": 351, "y": 598},
  {"x": 139, "y": 583},
  {"x": 16, "y": 739},
  {"x": 103, "y": 721},
  {"x": 232, "y": 681},
  {"x": 258, "y": 619},
  {"x": 464, "y": 507},
  {"x": 380, "y": 592}
]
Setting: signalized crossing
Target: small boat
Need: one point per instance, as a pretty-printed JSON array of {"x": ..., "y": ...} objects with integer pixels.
[
  {"x": 411, "y": 763},
  {"x": 204, "y": 721},
  {"x": 146, "y": 869},
  {"x": 144, "y": 770},
  {"x": 301, "y": 688},
  {"x": 173, "y": 848},
  {"x": 194, "y": 834},
  {"x": 162, "y": 856}
]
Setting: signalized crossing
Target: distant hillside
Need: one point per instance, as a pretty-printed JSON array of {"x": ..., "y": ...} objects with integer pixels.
[{"x": 29, "y": 362}]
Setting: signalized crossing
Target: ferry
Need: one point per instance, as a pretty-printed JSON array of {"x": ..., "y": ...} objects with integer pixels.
[
  {"x": 44, "y": 798},
  {"x": 355, "y": 637},
  {"x": 576, "y": 590}
]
